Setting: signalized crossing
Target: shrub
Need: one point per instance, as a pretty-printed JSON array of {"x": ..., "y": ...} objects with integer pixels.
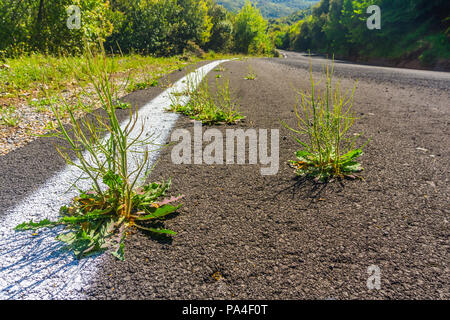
[{"x": 193, "y": 49}]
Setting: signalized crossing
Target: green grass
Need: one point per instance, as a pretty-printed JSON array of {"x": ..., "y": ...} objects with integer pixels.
[
  {"x": 147, "y": 83},
  {"x": 8, "y": 117},
  {"x": 218, "y": 108},
  {"x": 43, "y": 104},
  {"x": 324, "y": 119},
  {"x": 27, "y": 73}
]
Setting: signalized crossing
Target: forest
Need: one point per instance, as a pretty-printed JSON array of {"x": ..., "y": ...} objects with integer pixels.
[
  {"x": 416, "y": 30},
  {"x": 157, "y": 27},
  {"x": 410, "y": 30},
  {"x": 271, "y": 9}
]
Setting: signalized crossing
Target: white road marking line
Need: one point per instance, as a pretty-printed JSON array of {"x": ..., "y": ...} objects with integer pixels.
[{"x": 33, "y": 267}]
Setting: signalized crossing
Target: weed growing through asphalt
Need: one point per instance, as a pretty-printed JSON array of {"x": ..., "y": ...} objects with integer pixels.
[
  {"x": 324, "y": 119},
  {"x": 220, "y": 69},
  {"x": 100, "y": 218},
  {"x": 251, "y": 75},
  {"x": 122, "y": 105},
  {"x": 205, "y": 106}
]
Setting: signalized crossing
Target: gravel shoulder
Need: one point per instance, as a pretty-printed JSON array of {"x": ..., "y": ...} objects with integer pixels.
[{"x": 275, "y": 237}]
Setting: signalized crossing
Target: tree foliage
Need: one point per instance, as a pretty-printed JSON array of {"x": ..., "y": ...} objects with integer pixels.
[
  {"x": 159, "y": 27},
  {"x": 41, "y": 25},
  {"x": 409, "y": 28},
  {"x": 270, "y": 8},
  {"x": 222, "y": 28},
  {"x": 250, "y": 31}
]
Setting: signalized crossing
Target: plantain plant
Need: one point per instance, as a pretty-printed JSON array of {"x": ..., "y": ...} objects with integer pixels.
[
  {"x": 324, "y": 120},
  {"x": 98, "y": 219}
]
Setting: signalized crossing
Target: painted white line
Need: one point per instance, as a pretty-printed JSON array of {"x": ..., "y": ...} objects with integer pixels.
[{"x": 35, "y": 267}]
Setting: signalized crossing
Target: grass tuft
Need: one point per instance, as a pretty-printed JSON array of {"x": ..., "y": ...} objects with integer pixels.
[
  {"x": 251, "y": 75},
  {"x": 8, "y": 117},
  {"x": 205, "y": 106},
  {"x": 147, "y": 83}
]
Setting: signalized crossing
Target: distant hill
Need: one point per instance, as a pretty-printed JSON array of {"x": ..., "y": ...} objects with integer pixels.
[{"x": 270, "y": 8}]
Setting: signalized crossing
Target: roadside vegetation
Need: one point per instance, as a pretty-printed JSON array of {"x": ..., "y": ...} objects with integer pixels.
[
  {"x": 205, "y": 105},
  {"x": 324, "y": 119},
  {"x": 27, "y": 72},
  {"x": 158, "y": 28},
  {"x": 99, "y": 219}
]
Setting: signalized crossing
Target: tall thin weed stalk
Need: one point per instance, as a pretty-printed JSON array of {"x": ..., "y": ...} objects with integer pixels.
[
  {"x": 104, "y": 150},
  {"x": 324, "y": 119}
]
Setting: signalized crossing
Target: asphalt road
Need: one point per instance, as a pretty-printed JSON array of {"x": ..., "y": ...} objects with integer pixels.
[
  {"x": 367, "y": 72},
  {"x": 275, "y": 237},
  {"x": 270, "y": 237}
]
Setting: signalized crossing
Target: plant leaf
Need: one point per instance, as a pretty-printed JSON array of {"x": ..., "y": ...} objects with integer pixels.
[
  {"x": 352, "y": 154},
  {"x": 304, "y": 156},
  {"x": 159, "y": 212},
  {"x": 112, "y": 180},
  {"x": 36, "y": 225},
  {"x": 119, "y": 253},
  {"x": 166, "y": 201},
  {"x": 163, "y": 231},
  {"x": 351, "y": 166},
  {"x": 67, "y": 238}
]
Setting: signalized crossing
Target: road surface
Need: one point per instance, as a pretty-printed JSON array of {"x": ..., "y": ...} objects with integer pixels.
[{"x": 275, "y": 237}]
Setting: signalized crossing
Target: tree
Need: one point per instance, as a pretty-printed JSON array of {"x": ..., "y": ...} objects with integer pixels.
[
  {"x": 161, "y": 27},
  {"x": 250, "y": 31},
  {"x": 334, "y": 30},
  {"x": 222, "y": 31},
  {"x": 41, "y": 25},
  {"x": 410, "y": 28}
]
